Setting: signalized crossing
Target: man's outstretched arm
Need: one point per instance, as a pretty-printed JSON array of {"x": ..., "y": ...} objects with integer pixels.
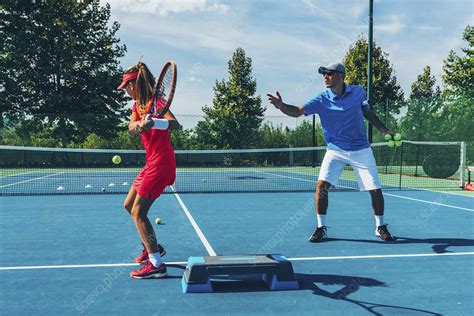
[{"x": 288, "y": 109}]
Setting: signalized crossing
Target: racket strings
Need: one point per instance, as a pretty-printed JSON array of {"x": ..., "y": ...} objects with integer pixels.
[{"x": 164, "y": 89}]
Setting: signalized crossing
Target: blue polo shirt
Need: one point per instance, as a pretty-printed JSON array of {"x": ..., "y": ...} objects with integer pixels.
[{"x": 342, "y": 117}]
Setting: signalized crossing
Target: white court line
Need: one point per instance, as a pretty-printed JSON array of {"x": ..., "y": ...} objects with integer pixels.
[
  {"x": 18, "y": 174},
  {"x": 290, "y": 259},
  {"x": 195, "y": 225},
  {"x": 74, "y": 266},
  {"x": 452, "y": 193},
  {"x": 389, "y": 194},
  {"x": 385, "y": 256},
  {"x": 423, "y": 201},
  {"x": 29, "y": 180}
]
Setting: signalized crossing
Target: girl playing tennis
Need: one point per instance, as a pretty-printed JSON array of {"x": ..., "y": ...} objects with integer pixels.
[{"x": 159, "y": 170}]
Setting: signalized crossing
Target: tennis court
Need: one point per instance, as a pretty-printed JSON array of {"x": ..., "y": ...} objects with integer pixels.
[
  {"x": 70, "y": 251},
  {"x": 263, "y": 88}
]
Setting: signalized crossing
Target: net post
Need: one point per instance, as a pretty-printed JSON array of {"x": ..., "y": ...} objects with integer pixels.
[
  {"x": 401, "y": 167},
  {"x": 313, "y": 140},
  {"x": 462, "y": 166},
  {"x": 369, "y": 63}
]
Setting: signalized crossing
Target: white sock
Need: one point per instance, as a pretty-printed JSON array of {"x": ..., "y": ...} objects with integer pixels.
[
  {"x": 155, "y": 259},
  {"x": 321, "y": 220},
  {"x": 378, "y": 221}
]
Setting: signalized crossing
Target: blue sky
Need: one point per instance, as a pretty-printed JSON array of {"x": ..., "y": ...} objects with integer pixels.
[{"x": 287, "y": 40}]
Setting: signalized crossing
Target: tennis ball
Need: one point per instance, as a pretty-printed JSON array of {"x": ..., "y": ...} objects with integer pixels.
[
  {"x": 390, "y": 143},
  {"x": 397, "y": 136},
  {"x": 103, "y": 189},
  {"x": 398, "y": 143},
  {"x": 388, "y": 137},
  {"x": 158, "y": 221},
  {"x": 203, "y": 180},
  {"x": 116, "y": 159}
]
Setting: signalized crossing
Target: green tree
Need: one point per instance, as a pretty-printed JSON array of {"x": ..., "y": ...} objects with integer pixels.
[
  {"x": 458, "y": 76},
  {"x": 302, "y": 135},
  {"x": 25, "y": 133},
  {"x": 388, "y": 95},
  {"x": 424, "y": 103},
  {"x": 272, "y": 137},
  {"x": 94, "y": 141},
  {"x": 458, "y": 82},
  {"x": 59, "y": 68},
  {"x": 281, "y": 137},
  {"x": 182, "y": 139},
  {"x": 236, "y": 114}
]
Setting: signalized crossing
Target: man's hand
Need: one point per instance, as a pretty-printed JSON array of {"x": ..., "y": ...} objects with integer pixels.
[
  {"x": 387, "y": 131},
  {"x": 275, "y": 100}
]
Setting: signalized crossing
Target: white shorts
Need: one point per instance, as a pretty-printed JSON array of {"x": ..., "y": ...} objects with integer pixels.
[{"x": 362, "y": 161}]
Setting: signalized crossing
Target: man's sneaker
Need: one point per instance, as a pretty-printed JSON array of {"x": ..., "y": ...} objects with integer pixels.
[
  {"x": 383, "y": 233},
  {"x": 319, "y": 234},
  {"x": 143, "y": 258},
  {"x": 149, "y": 271}
]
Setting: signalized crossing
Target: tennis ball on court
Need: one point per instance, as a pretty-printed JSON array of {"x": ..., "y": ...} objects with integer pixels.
[
  {"x": 397, "y": 136},
  {"x": 390, "y": 143},
  {"x": 398, "y": 143},
  {"x": 116, "y": 159},
  {"x": 388, "y": 137},
  {"x": 158, "y": 221}
]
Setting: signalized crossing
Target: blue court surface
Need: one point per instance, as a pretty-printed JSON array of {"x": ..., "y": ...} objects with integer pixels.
[{"x": 73, "y": 254}]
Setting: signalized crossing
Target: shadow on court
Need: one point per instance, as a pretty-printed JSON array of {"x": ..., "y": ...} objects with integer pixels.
[
  {"x": 350, "y": 285},
  {"x": 316, "y": 282},
  {"x": 439, "y": 245},
  {"x": 253, "y": 283}
]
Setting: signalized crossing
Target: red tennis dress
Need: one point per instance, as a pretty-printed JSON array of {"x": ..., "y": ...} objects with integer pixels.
[{"x": 160, "y": 167}]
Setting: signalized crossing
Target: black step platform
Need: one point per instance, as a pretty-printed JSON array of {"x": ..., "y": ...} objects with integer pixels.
[{"x": 274, "y": 269}]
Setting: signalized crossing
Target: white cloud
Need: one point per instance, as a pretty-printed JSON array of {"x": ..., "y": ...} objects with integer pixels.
[
  {"x": 393, "y": 24},
  {"x": 314, "y": 9},
  {"x": 429, "y": 28},
  {"x": 165, "y": 7},
  {"x": 335, "y": 11}
]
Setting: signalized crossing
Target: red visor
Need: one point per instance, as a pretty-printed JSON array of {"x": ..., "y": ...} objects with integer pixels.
[{"x": 126, "y": 78}]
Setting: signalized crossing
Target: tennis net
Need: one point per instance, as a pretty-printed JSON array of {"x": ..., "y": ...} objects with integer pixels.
[{"x": 45, "y": 171}]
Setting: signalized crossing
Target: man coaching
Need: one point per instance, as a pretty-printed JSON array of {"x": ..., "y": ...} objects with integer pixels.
[{"x": 341, "y": 109}]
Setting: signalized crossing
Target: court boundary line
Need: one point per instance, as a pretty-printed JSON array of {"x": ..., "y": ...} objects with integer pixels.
[
  {"x": 389, "y": 194},
  {"x": 17, "y": 174},
  {"x": 72, "y": 266},
  {"x": 106, "y": 265},
  {"x": 198, "y": 230},
  {"x": 430, "y": 202},
  {"x": 446, "y": 192},
  {"x": 29, "y": 180},
  {"x": 384, "y": 256}
]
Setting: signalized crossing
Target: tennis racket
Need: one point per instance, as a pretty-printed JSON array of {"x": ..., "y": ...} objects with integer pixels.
[{"x": 164, "y": 89}]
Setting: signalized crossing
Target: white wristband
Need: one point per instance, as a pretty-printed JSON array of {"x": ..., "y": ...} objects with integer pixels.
[{"x": 160, "y": 123}]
